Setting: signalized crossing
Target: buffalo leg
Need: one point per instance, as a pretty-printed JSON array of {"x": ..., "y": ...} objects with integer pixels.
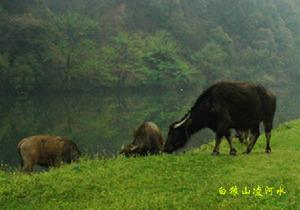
[
  {"x": 268, "y": 137},
  {"x": 268, "y": 127},
  {"x": 253, "y": 138},
  {"x": 229, "y": 140},
  {"x": 246, "y": 135},
  {"x": 28, "y": 162},
  {"x": 240, "y": 136},
  {"x": 28, "y": 165},
  {"x": 221, "y": 130},
  {"x": 217, "y": 145}
]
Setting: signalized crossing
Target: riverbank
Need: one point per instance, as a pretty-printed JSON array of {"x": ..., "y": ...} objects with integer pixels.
[{"x": 191, "y": 180}]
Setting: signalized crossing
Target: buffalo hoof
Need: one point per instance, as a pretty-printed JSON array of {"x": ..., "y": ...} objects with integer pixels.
[
  {"x": 233, "y": 152},
  {"x": 215, "y": 153},
  {"x": 268, "y": 151}
]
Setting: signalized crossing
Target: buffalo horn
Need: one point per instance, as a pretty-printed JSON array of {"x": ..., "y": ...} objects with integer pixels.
[
  {"x": 182, "y": 121},
  {"x": 134, "y": 147}
]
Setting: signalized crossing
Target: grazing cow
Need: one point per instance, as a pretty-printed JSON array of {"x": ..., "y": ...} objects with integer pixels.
[
  {"x": 226, "y": 105},
  {"x": 147, "y": 140},
  {"x": 45, "y": 150}
]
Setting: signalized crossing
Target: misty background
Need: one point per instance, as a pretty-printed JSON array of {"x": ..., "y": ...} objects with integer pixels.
[{"x": 55, "y": 45}]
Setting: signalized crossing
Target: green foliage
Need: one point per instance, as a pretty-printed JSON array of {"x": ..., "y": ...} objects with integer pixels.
[
  {"x": 178, "y": 181},
  {"x": 24, "y": 73},
  {"x": 125, "y": 59},
  {"x": 90, "y": 44},
  {"x": 4, "y": 67},
  {"x": 162, "y": 61},
  {"x": 71, "y": 42},
  {"x": 211, "y": 60}
]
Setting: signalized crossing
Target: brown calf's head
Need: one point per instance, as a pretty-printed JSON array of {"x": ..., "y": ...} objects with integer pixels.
[
  {"x": 72, "y": 153},
  {"x": 129, "y": 150}
]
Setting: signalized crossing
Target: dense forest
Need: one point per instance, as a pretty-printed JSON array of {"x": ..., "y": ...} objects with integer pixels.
[{"x": 83, "y": 45}]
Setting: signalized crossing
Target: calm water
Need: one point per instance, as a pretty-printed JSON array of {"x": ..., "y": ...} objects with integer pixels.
[{"x": 102, "y": 122}]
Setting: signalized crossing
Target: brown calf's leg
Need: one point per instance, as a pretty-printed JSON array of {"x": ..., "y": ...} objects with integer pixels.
[
  {"x": 27, "y": 161},
  {"x": 28, "y": 165}
]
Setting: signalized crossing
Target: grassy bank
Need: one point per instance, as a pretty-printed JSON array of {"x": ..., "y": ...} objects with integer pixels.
[{"x": 182, "y": 181}]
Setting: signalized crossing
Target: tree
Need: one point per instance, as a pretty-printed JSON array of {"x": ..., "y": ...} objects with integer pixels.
[
  {"x": 70, "y": 29},
  {"x": 265, "y": 40},
  {"x": 211, "y": 61},
  {"x": 164, "y": 65},
  {"x": 4, "y": 68},
  {"x": 121, "y": 61},
  {"x": 23, "y": 74}
]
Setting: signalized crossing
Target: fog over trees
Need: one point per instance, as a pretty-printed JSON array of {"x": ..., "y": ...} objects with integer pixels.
[{"x": 71, "y": 45}]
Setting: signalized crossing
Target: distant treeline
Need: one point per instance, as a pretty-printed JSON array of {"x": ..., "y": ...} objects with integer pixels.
[{"x": 87, "y": 44}]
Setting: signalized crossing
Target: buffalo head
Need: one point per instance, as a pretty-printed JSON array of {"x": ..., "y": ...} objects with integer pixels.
[
  {"x": 178, "y": 135},
  {"x": 70, "y": 152},
  {"x": 129, "y": 149}
]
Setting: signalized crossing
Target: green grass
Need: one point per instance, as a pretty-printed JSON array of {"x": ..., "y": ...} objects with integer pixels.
[{"x": 179, "y": 181}]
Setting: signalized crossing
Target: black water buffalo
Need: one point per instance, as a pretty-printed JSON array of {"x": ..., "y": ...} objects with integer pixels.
[
  {"x": 45, "y": 150},
  {"x": 147, "y": 140},
  {"x": 226, "y": 105}
]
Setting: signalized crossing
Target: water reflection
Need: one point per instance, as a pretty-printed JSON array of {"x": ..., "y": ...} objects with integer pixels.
[{"x": 102, "y": 122}]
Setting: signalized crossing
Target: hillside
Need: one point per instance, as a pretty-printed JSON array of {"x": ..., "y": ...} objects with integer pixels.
[{"x": 63, "y": 45}]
